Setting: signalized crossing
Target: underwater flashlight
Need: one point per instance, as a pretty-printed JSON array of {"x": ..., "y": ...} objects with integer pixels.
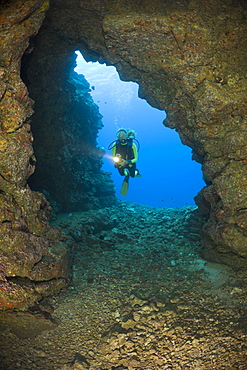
[{"x": 116, "y": 159}]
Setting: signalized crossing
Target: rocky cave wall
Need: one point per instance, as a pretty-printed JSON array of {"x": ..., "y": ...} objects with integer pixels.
[
  {"x": 35, "y": 261},
  {"x": 188, "y": 57}
]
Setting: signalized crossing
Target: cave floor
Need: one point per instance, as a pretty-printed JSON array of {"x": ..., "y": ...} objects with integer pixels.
[{"x": 141, "y": 298}]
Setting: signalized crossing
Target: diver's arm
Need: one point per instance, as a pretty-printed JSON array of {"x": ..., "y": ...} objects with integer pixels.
[
  {"x": 135, "y": 152},
  {"x": 113, "y": 152},
  {"x": 118, "y": 161}
]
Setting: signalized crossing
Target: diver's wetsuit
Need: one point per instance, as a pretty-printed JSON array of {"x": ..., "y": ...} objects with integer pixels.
[{"x": 128, "y": 151}]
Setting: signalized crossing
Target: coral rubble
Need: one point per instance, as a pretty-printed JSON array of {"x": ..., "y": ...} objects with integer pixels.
[{"x": 137, "y": 300}]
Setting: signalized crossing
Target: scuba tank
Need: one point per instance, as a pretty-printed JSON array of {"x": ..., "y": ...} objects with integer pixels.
[{"x": 130, "y": 139}]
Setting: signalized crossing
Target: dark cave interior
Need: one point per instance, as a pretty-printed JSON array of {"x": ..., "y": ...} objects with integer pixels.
[{"x": 68, "y": 169}]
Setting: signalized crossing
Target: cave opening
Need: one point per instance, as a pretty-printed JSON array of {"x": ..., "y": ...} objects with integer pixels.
[
  {"x": 169, "y": 176},
  {"x": 67, "y": 119}
]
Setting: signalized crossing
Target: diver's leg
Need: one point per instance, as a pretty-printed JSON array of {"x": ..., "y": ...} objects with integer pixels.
[
  {"x": 121, "y": 171},
  {"x": 132, "y": 169}
]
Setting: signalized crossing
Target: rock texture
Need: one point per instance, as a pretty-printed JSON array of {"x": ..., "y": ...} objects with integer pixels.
[{"x": 34, "y": 259}]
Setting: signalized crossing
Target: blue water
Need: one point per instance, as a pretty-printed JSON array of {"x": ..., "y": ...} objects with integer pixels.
[{"x": 169, "y": 177}]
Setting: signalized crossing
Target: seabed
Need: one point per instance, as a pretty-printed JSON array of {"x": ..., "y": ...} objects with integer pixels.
[{"x": 141, "y": 297}]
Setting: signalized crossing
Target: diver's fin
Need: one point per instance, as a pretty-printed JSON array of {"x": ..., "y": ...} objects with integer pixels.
[
  {"x": 125, "y": 186},
  {"x": 137, "y": 173}
]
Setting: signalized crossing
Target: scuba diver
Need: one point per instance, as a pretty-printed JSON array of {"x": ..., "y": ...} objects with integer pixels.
[{"x": 125, "y": 156}]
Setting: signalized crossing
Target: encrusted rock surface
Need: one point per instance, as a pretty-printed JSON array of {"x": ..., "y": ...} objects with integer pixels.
[
  {"x": 34, "y": 260},
  {"x": 141, "y": 298}
]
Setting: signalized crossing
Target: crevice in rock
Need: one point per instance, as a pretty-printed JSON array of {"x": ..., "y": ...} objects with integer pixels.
[
  {"x": 25, "y": 281},
  {"x": 19, "y": 280},
  {"x": 5, "y": 221}
]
